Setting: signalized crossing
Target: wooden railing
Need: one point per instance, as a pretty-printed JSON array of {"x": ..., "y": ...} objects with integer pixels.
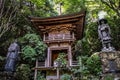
[
  {"x": 59, "y": 37},
  {"x": 42, "y": 64},
  {"x": 52, "y": 77},
  {"x": 75, "y": 63}
]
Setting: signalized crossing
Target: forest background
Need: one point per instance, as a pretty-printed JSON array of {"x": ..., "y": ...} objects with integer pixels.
[{"x": 15, "y": 24}]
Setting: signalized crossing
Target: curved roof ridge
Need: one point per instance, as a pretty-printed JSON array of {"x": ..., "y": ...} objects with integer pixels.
[{"x": 81, "y": 13}]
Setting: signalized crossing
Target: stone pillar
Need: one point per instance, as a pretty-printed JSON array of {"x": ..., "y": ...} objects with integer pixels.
[{"x": 110, "y": 64}]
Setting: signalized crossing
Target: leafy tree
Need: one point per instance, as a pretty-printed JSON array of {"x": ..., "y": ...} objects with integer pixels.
[
  {"x": 61, "y": 61},
  {"x": 71, "y": 6},
  {"x": 8, "y": 13},
  {"x": 16, "y": 23},
  {"x": 93, "y": 64},
  {"x": 40, "y": 76},
  {"x": 65, "y": 77},
  {"x": 19, "y": 22},
  {"x": 33, "y": 48},
  {"x": 39, "y": 8},
  {"x": 113, "y": 4},
  {"x": 23, "y": 72},
  {"x": 90, "y": 43},
  {"x": 114, "y": 23}
]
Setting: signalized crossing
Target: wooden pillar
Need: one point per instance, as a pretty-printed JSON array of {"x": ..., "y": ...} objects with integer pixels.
[
  {"x": 73, "y": 35},
  {"x": 70, "y": 55},
  {"x": 58, "y": 73},
  {"x": 35, "y": 74},
  {"x": 46, "y": 63},
  {"x": 48, "y": 57},
  {"x": 44, "y": 37}
]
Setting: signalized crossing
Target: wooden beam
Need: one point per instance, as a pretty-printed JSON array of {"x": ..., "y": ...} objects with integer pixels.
[{"x": 56, "y": 22}]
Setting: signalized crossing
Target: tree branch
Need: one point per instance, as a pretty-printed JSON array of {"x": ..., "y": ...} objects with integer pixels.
[
  {"x": 2, "y": 8},
  {"x": 111, "y": 5},
  {"x": 7, "y": 16}
]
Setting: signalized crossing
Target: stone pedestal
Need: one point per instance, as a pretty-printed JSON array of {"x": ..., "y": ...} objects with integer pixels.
[{"x": 110, "y": 64}]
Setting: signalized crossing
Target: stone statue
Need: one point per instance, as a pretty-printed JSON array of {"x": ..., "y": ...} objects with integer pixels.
[
  {"x": 12, "y": 57},
  {"x": 104, "y": 34}
]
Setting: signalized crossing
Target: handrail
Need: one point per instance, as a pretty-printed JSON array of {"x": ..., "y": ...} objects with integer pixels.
[
  {"x": 75, "y": 63},
  {"x": 41, "y": 64},
  {"x": 59, "y": 37}
]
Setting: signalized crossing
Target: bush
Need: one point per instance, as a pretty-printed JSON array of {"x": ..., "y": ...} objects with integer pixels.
[
  {"x": 66, "y": 77},
  {"x": 61, "y": 60},
  {"x": 40, "y": 76},
  {"x": 23, "y": 72},
  {"x": 32, "y": 48},
  {"x": 94, "y": 64}
]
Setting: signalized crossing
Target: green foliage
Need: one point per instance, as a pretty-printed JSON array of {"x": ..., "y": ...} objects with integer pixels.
[
  {"x": 91, "y": 43},
  {"x": 82, "y": 70},
  {"x": 39, "y": 8},
  {"x": 2, "y": 58},
  {"x": 61, "y": 60},
  {"x": 93, "y": 64},
  {"x": 92, "y": 37},
  {"x": 23, "y": 72},
  {"x": 113, "y": 5},
  {"x": 71, "y": 6},
  {"x": 31, "y": 38},
  {"x": 29, "y": 53},
  {"x": 65, "y": 77},
  {"x": 109, "y": 77},
  {"x": 2, "y": 62},
  {"x": 40, "y": 76},
  {"x": 33, "y": 48},
  {"x": 114, "y": 23},
  {"x": 89, "y": 67}
]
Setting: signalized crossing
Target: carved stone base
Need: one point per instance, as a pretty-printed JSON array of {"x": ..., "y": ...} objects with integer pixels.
[{"x": 110, "y": 64}]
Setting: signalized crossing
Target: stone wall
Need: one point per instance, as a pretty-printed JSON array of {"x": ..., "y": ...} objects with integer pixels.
[{"x": 110, "y": 63}]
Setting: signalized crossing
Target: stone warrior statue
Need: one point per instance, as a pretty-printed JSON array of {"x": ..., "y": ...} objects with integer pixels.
[
  {"x": 104, "y": 35},
  {"x": 12, "y": 57}
]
